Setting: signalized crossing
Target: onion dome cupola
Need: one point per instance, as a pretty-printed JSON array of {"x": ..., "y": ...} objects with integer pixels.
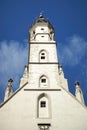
[{"x": 41, "y": 30}]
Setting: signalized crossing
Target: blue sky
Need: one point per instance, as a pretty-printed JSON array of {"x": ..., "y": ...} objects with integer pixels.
[{"x": 69, "y": 18}]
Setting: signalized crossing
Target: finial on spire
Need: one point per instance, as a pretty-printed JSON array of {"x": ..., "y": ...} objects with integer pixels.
[
  {"x": 77, "y": 83},
  {"x": 9, "y": 90},
  {"x": 41, "y": 14},
  {"x": 78, "y": 92},
  {"x": 10, "y": 80}
]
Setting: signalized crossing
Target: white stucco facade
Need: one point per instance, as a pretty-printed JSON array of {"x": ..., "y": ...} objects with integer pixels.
[{"x": 43, "y": 101}]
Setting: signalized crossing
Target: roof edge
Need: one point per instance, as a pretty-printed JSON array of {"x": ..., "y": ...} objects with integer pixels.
[
  {"x": 2, "y": 104},
  {"x": 83, "y": 105}
]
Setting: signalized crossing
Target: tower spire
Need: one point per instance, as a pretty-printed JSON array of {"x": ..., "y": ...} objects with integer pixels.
[
  {"x": 9, "y": 90},
  {"x": 41, "y": 14},
  {"x": 78, "y": 92}
]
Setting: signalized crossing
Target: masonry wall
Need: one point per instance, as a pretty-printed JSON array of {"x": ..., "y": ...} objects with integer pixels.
[
  {"x": 49, "y": 70},
  {"x": 20, "y": 112},
  {"x": 48, "y": 47}
]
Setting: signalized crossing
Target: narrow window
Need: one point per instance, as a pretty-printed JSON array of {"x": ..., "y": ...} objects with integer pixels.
[
  {"x": 42, "y": 53},
  {"x": 42, "y": 36},
  {"x": 43, "y": 56},
  {"x": 43, "y": 104},
  {"x": 42, "y": 28},
  {"x": 43, "y": 80},
  {"x": 33, "y": 32}
]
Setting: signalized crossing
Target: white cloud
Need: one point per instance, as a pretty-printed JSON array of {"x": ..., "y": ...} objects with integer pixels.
[
  {"x": 13, "y": 57},
  {"x": 72, "y": 52}
]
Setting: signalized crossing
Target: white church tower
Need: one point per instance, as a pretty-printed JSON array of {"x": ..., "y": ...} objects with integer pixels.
[
  {"x": 43, "y": 101},
  {"x": 43, "y": 68}
]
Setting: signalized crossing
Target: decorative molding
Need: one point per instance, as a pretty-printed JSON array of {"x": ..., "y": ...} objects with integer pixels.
[
  {"x": 42, "y": 89},
  {"x": 43, "y": 63}
]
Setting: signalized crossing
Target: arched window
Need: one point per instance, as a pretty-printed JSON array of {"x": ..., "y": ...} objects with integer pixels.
[
  {"x": 43, "y": 81},
  {"x": 43, "y": 106},
  {"x": 43, "y": 56}
]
